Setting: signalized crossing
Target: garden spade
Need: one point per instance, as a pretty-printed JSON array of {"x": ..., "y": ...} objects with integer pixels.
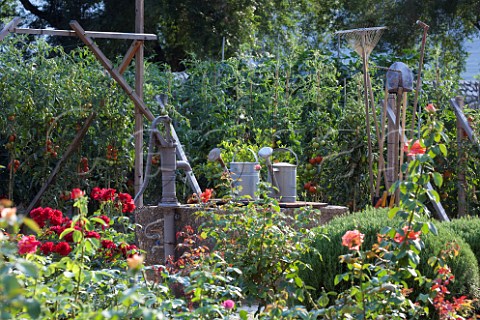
[{"x": 216, "y": 155}]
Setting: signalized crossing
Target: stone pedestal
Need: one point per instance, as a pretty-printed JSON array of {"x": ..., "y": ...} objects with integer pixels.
[{"x": 158, "y": 242}]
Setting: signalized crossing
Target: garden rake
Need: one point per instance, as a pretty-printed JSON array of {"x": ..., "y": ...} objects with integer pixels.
[{"x": 363, "y": 40}]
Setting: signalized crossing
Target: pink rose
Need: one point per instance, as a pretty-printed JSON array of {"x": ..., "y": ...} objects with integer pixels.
[
  {"x": 353, "y": 239},
  {"x": 430, "y": 108},
  {"x": 228, "y": 304},
  {"x": 28, "y": 244}
]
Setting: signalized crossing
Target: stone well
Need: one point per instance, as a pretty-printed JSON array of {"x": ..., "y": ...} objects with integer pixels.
[{"x": 156, "y": 226}]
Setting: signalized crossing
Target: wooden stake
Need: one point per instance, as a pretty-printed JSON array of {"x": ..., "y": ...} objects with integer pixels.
[
  {"x": 138, "y": 134},
  {"x": 110, "y": 69},
  {"x": 381, "y": 159},
  {"x": 402, "y": 140},
  {"x": 391, "y": 139},
  {"x": 461, "y": 183},
  {"x": 419, "y": 75},
  {"x": 71, "y": 148},
  {"x": 396, "y": 168},
  {"x": 367, "y": 118}
]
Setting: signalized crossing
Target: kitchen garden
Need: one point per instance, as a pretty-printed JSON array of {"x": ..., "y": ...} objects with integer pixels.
[{"x": 74, "y": 255}]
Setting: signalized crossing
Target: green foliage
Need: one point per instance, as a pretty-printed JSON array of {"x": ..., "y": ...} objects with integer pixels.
[
  {"x": 370, "y": 222},
  {"x": 44, "y": 102},
  {"x": 266, "y": 245},
  {"x": 462, "y": 159}
]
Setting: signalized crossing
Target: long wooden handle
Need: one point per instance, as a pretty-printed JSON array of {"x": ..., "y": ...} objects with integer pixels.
[{"x": 71, "y": 148}]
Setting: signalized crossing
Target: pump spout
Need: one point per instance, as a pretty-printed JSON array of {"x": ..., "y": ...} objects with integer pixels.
[{"x": 184, "y": 165}]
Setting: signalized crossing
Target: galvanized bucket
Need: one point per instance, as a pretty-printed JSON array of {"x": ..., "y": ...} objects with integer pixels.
[
  {"x": 286, "y": 178},
  {"x": 245, "y": 177}
]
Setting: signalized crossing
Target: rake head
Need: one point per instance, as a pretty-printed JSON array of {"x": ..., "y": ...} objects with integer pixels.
[{"x": 362, "y": 40}]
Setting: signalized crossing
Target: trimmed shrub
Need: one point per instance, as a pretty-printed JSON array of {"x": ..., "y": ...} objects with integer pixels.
[
  {"x": 468, "y": 229},
  {"x": 370, "y": 222}
]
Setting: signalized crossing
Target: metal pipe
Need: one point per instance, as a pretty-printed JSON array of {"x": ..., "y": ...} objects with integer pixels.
[
  {"x": 169, "y": 232},
  {"x": 153, "y": 133}
]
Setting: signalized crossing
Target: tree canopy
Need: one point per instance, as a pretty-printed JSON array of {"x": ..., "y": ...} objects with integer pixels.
[{"x": 187, "y": 27}]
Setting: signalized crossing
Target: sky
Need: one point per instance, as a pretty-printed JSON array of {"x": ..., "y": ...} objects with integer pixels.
[{"x": 473, "y": 61}]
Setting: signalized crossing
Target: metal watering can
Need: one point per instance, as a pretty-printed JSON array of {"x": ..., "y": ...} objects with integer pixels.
[
  {"x": 245, "y": 176},
  {"x": 282, "y": 175}
]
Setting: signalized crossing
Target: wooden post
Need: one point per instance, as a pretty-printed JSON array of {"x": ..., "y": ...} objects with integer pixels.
[
  {"x": 115, "y": 73},
  {"x": 10, "y": 25},
  {"x": 392, "y": 139},
  {"x": 461, "y": 183},
  {"x": 403, "y": 124},
  {"x": 139, "y": 72}
]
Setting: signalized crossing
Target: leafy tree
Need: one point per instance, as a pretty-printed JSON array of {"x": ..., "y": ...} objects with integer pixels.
[
  {"x": 198, "y": 27},
  {"x": 7, "y": 8},
  {"x": 450, "y": 22}
]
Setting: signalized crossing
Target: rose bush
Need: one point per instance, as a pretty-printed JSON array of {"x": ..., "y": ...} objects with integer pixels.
[{"x": 83, "y": 266}]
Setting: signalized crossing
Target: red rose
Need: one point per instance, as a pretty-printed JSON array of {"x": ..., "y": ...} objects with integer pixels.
[
  {"x": 128, "y": 249},
  {"x": 206, "y": 195},
  {"x": 128, "y": 207},
  {"x": 56, "y": 218},
  {"x": 40, "y": 216},
  {"x": 108, "y": 194},
  {"x": 96, "y": 193},
  {"x": 127, "y": 202},
  {"x": 108, "y": 244},
  {"x": 124, "y": 197},
  {"x": 57, "y": 229},
  {"x": 107, "y": 221},
  {"x": 69, "y": 236},
  {"x": 92, "y": 234},
  {"x": 76, "y": 193},
  {"x": 47, "y": 247},
  {"x": 63, "y": 248}
]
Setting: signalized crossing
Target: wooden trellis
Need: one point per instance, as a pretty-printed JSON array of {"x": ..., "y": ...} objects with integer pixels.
[{"x": 135, "y": 94}]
